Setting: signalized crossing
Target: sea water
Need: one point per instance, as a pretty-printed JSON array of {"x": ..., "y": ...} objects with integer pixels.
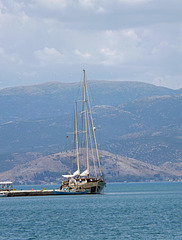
[{"x": 125, "y": 211}]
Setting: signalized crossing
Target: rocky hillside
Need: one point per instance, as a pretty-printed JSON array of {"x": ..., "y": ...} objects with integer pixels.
[{"x": 48, "y": 169}]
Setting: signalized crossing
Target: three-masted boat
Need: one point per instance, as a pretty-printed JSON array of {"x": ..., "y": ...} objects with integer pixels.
[{"x": 91, "y": 182}]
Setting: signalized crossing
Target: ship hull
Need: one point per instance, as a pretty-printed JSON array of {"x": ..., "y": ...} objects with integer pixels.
[
  {"x": 92, "y": 186},
  {"x": 62, "y": 192}
]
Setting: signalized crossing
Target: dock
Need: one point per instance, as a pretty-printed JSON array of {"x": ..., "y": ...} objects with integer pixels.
[{"x": 28, "y": 193}]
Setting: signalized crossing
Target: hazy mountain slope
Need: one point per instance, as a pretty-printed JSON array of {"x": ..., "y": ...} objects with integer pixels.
[
  {"x": 55, "y": 99},
  {"x": 152, "y": 109},
  {"x": 148, "y": 129}
]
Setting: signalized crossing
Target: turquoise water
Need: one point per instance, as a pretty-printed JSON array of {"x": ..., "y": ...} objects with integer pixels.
[{"x": 126, "y": 211}]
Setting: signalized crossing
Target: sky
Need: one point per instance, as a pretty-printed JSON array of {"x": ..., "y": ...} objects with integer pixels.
[{"x": 122, "y": 40}]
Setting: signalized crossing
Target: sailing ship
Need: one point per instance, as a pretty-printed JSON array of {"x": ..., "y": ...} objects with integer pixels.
[{"x": 91, "y": 182}]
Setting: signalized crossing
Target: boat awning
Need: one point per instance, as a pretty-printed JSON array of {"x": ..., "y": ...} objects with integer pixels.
[
  {"x": 3, "y": 183},
  {"x": 6, "y": 186}
]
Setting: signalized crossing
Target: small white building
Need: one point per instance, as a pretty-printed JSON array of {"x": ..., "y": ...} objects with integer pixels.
[{"x": 6, "y": 186}]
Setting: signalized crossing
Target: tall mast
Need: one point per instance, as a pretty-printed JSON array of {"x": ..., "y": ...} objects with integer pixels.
[
  {"x": 95, "y": 141},
  {"x": 86, "y": 121},
  {"x": 76, "y": 129}
]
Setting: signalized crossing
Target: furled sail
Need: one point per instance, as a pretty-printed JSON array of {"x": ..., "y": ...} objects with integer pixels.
[
  {"x": 76, "y": 173},
  {"x": 85, "y": 173},
  {"x": 68, "y": 176}
]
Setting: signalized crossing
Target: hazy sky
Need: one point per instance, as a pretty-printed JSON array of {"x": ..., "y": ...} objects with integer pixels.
[{"x": 53, "y": 40}]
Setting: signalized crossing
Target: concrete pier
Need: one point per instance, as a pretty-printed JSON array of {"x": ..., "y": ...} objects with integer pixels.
[{"x": 27, "y": 193}]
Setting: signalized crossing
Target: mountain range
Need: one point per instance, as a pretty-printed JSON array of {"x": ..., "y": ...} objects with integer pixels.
[{"x": 138, "y": 125}]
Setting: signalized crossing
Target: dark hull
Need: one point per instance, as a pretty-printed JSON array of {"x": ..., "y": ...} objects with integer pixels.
[
  {"x": 95, "y": 188},
  {"x": 62, "y": 192}
]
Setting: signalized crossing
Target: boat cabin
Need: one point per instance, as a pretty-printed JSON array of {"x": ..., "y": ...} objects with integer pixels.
[{"x": 6, "y": 186}]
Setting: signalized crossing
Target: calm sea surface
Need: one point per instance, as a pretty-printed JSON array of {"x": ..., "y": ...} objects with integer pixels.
[{"x": 125, "y": 211}]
